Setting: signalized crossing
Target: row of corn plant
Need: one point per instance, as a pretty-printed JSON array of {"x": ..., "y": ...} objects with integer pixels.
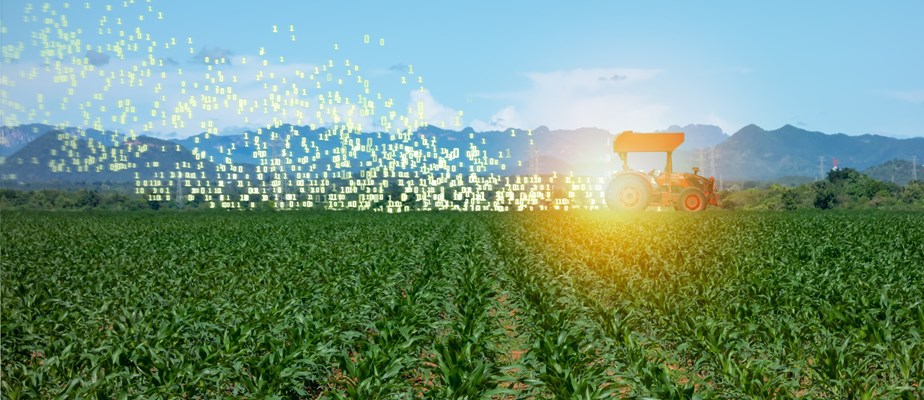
[
  {"x": 193, "y": 305},
  {"x": 390, "y": 358},
  {"x": 636, "y": 371},
  {"x": 353, "y": 305},
  {"x": 766, "y": 306},
  {"x": 566, "y": 357},
  {"x": 467, "y": 361}
]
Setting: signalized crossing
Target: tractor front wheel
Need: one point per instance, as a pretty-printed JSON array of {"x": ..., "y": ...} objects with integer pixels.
[
  {"x": 691, "y": 199},
  {"x": 627, "y": 194}
]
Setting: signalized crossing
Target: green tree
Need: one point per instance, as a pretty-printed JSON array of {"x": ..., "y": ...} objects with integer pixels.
[
  {"x": 913, "y": 192},
  {"x": 66, "y": 200},
  {"x": 87, "y": 198},
  {"x": 825, "y": 195},
  {"x": 842, "y": 174},
  {"x": 13, "y": 198},
  {"x": 791, "y": 199}
]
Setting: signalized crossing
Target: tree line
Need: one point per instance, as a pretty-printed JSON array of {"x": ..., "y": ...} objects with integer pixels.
[
  {"x": 844, "y": 188},
  {"x": 71, "y": 199}
]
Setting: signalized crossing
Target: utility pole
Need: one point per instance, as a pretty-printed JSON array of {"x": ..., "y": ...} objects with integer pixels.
[
  {"x": 278, "y": 171},
  {"x": 702, "y": 161},
  {"x": 914, "y": 168},
  {"x": 533, "y": 159},
  {"x": 179, "y": 190},
  {"x": 821, "y": 167},
  {"x": 712, "y": 167}
]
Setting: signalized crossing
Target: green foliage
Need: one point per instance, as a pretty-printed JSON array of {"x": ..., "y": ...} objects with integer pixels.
[
  {"x": 843, "y": 188},
  {"x": 80, "y": 199},
  {"x": 462, "y": 305},
  {"x": 825, "y": 195},
  {"x": 791, "y": 199},
  {"x": 895, "y": 171},
  {"x": 745, "y": 305}
]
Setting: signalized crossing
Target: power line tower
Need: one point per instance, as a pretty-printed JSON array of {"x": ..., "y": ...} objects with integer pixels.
[
  {"x": 914, "y": 168},
  {"x": 712, "y": 167},
  {"x": 702, "y": 161},
  {"x": 894, "y": 170},
  {"x": 821, "y": 167},
  {"x": 179, "y": 190},
  {"x": 712, "y": 171},
  {"x": 278, "y": 170},
  {"x": 533, "y": 159}
]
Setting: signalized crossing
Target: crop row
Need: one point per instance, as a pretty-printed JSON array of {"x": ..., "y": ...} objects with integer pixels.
[
  {"x": 462, "y": 305},
  {"x": 767, "y": 306}
]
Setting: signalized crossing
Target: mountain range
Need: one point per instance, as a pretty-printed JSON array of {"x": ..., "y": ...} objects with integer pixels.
[
  {"x": 40, "y": 153},
  {"x": 757, "y": 154}
]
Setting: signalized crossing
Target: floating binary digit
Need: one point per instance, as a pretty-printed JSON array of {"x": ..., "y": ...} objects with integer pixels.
[{"x": 326, "y": 135}]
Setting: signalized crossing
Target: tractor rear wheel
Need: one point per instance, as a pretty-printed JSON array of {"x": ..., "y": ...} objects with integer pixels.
[
  {"x": 627, "y": 194},
  {"x": 691, "y": 199}
]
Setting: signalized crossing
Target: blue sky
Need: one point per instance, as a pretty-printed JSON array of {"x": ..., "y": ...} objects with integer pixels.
[{"x": 851, "y": 67}]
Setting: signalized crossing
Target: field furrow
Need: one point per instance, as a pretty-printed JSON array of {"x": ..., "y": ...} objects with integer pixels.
[{"x": 462, "y": 305}]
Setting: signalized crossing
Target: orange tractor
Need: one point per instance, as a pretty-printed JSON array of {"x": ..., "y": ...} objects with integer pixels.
[{"x": 635, "y": 190}]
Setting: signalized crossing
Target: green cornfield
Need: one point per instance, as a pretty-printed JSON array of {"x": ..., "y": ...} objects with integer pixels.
[{"x": 559, "y": 305}]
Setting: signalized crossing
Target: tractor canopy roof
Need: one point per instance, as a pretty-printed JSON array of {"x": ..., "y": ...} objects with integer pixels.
[{"x": 628, "y": 142}]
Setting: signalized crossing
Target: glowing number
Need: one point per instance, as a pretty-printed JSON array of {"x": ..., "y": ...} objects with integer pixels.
[{"x": 287, "y": 102}]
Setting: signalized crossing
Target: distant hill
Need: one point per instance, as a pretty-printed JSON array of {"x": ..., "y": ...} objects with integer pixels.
[
  {"x": 560, "y": 150},
  {"x": 58, "y": 156},
  {"x": 699, "y": 136},
  {"x": 753, "y": 153},
  {"x": 43, "y": 153},
  {"x": 13, "y": 138},
  {"x": 243, "y": 150},
  {"x": 896, "y": 171}
]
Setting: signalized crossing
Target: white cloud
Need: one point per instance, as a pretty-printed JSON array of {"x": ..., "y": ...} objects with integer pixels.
[
  {"x": 608, "y": 98},
  {"x": 506, "y": 118},
  {"x": 181, "y": 98},
  {"x": 594, "y": 79},
  {"x": 425, "y": 109},
  {"x": 713, "y": 119},
  {"x": 911, "y": 96}
]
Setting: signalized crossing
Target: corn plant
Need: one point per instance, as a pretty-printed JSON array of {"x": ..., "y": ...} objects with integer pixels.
[{"x": 462, "y": 305}]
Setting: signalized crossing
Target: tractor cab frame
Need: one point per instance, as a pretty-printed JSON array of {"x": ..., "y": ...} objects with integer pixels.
[{"x": 635, "y": 190}]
